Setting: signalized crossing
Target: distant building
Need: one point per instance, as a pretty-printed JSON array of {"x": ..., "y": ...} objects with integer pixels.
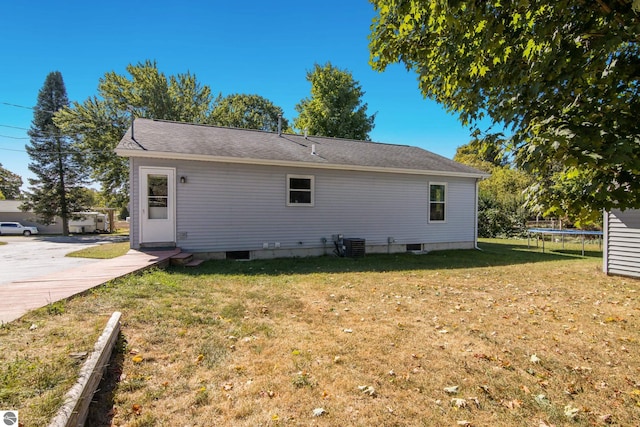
[{"x": 10, "y": 211}]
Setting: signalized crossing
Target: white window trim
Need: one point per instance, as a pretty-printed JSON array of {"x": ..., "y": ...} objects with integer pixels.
[
  {"x": 446, "y": 196},
  {"x": 312, "y": 190}
]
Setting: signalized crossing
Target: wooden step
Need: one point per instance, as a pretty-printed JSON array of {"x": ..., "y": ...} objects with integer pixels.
[
  {"x": 183, "y": 258},
  {"x": 194, "y": 263}
]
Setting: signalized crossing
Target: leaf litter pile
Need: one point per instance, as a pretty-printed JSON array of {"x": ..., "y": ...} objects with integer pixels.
[{"x": 503, "y": 337}]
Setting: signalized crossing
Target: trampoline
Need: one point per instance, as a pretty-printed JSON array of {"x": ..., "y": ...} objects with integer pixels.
[{"x": 541, "y": 232}]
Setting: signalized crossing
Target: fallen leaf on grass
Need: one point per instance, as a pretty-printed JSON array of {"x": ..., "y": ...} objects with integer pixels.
[
  {"x": 267, "y": 393},
  {"x": 136, "y": 359},
  {"x": 200, "y": 358},
  {"x": 459, "y": 403},
  {"x": 571, "y": 412},
  {"x": 452, "y": 390},
  {"x": 512, "y": 404},
  {"x": 542, "y": 400},
  {"x": 607, "y": 419},
  {"x": 318, "y": 412},
  {"x": 482, "y": 356},
  {"x": 137, "y": 409},
  {"x": 367, "y": 389}
]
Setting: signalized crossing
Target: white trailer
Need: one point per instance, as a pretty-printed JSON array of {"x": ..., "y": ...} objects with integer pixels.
[{"x": 89, "y": 222}]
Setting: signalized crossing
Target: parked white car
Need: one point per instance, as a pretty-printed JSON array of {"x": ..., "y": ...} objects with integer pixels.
[{"x": 17, "y": 228}]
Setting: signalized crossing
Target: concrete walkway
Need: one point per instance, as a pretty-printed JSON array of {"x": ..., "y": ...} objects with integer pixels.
[{"x": 19, "y": 297}]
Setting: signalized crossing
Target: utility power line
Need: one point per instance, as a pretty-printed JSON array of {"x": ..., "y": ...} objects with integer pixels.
[{"x": 26, "y": 108}]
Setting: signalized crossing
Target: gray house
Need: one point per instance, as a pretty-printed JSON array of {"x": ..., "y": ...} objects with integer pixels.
[
  {"x": 238, "y": 193},
  {"x": 622, "y": 242}
]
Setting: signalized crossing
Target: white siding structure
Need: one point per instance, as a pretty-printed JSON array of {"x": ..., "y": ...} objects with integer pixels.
[
  {"x": 225, "y": 204},
  {"x": 10, "y": 211},
  {"x": 622, "y": 242}
]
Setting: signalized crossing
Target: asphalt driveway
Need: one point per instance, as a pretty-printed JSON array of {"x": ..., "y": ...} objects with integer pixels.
[{"x": 27, "y": 257}]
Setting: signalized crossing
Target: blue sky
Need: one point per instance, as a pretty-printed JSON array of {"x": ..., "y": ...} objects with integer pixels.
[{"x": 252, "y": 47}]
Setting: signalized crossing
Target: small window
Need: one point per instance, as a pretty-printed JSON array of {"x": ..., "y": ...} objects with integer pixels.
[
  {"x": 300, "y": 190},
  {"x": 437, "y": 202}
]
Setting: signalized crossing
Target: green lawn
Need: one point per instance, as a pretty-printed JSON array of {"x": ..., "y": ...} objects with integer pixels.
[
  {"x": 505, "y": 336},
  {"x": 103, "y": 251}
]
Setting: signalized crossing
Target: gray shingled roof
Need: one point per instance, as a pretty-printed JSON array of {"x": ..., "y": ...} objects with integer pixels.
[{"x": 156, "y": 138}]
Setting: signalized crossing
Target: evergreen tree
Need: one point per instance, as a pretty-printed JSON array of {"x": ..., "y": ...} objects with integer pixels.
[
  {"x": 335, "y": 108},
  {"x": 57, "y": 188}
]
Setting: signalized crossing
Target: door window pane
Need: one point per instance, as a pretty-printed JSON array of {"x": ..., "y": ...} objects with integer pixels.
[{"x": 158, "y": 200}]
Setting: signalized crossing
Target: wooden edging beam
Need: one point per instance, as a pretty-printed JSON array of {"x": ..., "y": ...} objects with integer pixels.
[{"x": 75, "y": 409}]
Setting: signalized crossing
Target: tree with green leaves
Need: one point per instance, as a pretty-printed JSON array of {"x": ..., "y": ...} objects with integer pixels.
[
  {"x": 59, "y": 177},
  {"x": 561, "y": 75},
  {"x": 97, "y": 125},
  {"x": 247, "y": 112},
  {"x": 484, "y": 153},
  {"x": 501, "y": 210},
  {"x": 335, "y": 107},
  {"x": 10, "y": 184}
]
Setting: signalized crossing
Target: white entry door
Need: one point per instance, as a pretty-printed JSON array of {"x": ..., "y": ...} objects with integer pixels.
[{"x": 157, "y": 205}]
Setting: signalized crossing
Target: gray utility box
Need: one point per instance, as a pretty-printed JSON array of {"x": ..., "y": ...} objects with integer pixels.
[{"x": 354, "y": 248}]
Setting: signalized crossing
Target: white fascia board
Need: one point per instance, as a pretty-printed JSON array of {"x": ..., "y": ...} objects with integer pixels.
[{"x": 264, "y": 162}]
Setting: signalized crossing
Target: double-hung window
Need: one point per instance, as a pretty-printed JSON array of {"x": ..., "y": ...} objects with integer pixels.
[
  {"x": 300, "y": 190},
  {"x": 437, "y": 201}
]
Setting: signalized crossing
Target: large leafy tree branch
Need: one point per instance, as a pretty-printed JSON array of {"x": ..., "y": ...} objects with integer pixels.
[
  {"x": 97, "y": 124},
  {"x": 562, "y": 76}
]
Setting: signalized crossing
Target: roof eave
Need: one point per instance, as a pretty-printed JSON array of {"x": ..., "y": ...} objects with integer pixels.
[{"x": 264, "y": 162}]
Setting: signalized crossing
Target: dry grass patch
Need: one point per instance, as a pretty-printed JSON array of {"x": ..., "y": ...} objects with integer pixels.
[{"x": 503, "y": 337}]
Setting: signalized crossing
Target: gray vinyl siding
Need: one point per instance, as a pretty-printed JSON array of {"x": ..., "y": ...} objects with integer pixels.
[
  {"x": 235, "y": 207},
  {"x": 622, "y": 243}
]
